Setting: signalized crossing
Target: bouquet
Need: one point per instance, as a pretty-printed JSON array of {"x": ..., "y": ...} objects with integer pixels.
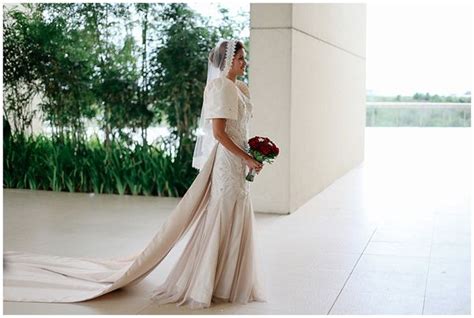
[{"x": 261, "y": 149}]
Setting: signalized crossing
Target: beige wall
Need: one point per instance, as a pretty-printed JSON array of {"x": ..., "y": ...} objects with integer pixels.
[{"x": 307, "y": 81}]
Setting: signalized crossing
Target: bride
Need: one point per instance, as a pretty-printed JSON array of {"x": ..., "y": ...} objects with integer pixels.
[{"x": 218, "y": 263}]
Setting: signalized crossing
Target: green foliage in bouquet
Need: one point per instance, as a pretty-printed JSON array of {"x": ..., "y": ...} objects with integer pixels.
[{"x": 261, "y": 158}]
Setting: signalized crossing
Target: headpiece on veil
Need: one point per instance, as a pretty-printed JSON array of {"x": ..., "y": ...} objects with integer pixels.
[{"x": 219, "y": 64}]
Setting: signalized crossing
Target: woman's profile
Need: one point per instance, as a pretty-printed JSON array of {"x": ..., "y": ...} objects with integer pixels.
[{"x": 218, "y": 263}]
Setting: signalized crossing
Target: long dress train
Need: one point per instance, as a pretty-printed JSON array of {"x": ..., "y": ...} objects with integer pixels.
[{"x": 218, "y": 264}]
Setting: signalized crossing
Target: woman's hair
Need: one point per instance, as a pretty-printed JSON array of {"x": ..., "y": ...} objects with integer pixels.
[{"x": 217, "y": 56}]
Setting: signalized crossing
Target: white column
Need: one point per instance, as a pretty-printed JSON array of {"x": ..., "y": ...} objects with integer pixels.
[{"x": 307, "y": 83}]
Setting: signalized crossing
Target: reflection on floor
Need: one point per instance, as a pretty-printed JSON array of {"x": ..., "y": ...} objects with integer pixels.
[{"x": 390, "y": 237}]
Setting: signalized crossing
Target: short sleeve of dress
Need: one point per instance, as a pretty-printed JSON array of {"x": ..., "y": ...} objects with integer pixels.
[{"x": 221, "y": 99}]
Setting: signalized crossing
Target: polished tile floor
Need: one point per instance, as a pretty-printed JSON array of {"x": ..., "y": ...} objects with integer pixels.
[{"x": 392, "y": 236}]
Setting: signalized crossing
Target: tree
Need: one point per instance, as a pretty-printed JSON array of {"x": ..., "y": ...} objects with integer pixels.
[
  {"x": 180, "y": 69},
  {"x": 85, "y": 62},
  {"x": 19, "y": 71},
  {"x": 149, "y": 22},
  {"x": 42, "y": 55}
]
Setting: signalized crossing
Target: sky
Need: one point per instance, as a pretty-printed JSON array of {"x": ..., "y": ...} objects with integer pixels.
[
  {"x": 210, "y": 9},
  {"x": 419, "y": 48},
  {"x": 411, "y": 47}
]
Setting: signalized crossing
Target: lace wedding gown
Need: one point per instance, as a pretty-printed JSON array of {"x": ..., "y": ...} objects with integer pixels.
[{"x": 218, "y": 264}]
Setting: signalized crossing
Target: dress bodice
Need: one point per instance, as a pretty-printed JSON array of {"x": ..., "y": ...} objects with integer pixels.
[
  {"x": 230, "y": 170},
  {"x": 238, "y": 130}
]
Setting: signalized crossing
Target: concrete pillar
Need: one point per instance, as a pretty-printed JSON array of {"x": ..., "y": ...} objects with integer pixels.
[{"x": 307, "y": 83}]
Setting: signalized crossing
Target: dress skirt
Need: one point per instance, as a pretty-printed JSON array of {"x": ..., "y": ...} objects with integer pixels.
[{"x": 218, "y": 264}]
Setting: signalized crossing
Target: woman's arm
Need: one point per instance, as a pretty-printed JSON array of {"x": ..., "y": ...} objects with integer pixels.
[{"x": 218, "y": 129}]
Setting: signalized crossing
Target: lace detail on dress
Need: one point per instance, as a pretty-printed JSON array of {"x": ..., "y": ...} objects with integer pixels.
[{"x": 244, "y": 91}]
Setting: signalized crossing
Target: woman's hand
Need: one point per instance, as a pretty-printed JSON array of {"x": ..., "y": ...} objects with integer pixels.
[
  {"x": 218, "y": 128},
  {"x": 253, "y": 164}
]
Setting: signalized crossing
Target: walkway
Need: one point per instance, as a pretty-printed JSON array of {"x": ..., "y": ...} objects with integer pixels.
[{"x": 390, "y": 237}]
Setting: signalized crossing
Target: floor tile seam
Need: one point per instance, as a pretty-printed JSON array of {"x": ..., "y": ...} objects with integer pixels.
[{"x": 350, "y": 274}]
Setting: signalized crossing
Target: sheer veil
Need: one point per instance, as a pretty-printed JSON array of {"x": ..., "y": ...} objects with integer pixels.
[{"x": 219, "y": 64}]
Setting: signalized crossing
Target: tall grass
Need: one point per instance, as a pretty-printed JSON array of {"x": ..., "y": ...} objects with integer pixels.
[{"x": 62, "y": 164}]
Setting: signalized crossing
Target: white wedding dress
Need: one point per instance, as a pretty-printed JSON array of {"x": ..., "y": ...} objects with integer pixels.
[{"x": 218, "y": 264}]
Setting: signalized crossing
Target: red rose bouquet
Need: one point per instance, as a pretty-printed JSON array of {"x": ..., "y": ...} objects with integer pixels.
[{"x": 261, "y": 149}]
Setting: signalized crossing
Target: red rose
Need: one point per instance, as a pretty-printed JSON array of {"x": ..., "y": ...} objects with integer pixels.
[
  {"x": 265, "y": 149},
  {"x": 253, "y": 143},
  {"x": 264, "y": 146}
]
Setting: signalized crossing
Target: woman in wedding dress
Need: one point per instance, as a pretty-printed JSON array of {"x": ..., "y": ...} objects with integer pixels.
[{"x": 218, "y": 263}]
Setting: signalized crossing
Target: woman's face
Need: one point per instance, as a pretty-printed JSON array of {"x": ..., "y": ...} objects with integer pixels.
[{"x": 239, "y": 63}]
